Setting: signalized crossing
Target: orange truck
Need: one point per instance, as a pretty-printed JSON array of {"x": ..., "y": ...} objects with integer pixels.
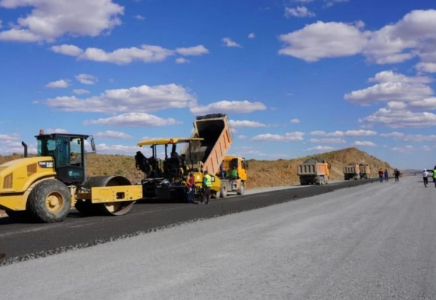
[
  {"x": 351, "y": 171},
  {"x": 365, "y": 171},
  {"x": 356, "y": 171},
  {"x": 314, "y": 171}
]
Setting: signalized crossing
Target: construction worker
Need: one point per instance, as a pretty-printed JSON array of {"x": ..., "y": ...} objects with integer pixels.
[
  {"x": 207, "y": 184},
  {"x": 425, "y": 177},
  {"x": 434, "y": 176},
  {"x": 234, "y": 173},
  {"x": 191, "y": 187}
]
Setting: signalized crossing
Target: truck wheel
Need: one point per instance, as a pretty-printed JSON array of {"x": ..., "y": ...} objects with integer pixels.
[
  {"x": 223, "y": 191},
  {"x": 49, "y": 201},
  {"x": 241, "y": 189},
  {"x": 217, "y": 195}
]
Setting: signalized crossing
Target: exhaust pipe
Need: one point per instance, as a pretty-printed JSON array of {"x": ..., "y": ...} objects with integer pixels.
[{"x": 25, "y": 148}]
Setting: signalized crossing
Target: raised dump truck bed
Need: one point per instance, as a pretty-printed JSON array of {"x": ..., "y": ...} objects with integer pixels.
[{"x": 209, "y": 153}]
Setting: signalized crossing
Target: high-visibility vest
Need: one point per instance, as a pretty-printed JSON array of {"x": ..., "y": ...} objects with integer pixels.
[
  {"x": 434, "y": 173},
  {"x": 234, "y": 173},
  {"x": 207, "y": 180}
]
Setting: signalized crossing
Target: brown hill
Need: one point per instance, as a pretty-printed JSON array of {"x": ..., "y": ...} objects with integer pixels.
[
  {"x": 284, "y": 172},
  {"x": 261, "y": 173}
]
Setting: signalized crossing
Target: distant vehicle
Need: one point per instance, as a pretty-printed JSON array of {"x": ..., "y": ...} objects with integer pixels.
[
  {"x": 357, "y": 171},
  {"x": 314, "y": 171}
]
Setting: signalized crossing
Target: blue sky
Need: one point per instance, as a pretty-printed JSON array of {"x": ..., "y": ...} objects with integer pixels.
[{"x": 295, "y": 77}]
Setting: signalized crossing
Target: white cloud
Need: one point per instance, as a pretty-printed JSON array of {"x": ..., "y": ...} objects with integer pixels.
[
  {"x": 147, "y": 54},
  {"x": 193, "y": 51},
  {"x": 109, "y": 134},
  {"x": 242, "y": 137},
  {"x": 318, "y": 132},
  {"x": 295, "y": 121},
  {"x": 392, "y": 87},
  {"x": 11, "y": 143},
  {"x": 287, "y": 137},
  {"x": 428, "y": 67},
  {"x": 121, "y": 56},
  {"x": 81, "y": 91},
  {"x": 364, "y": 143},
  {"x": 424, "y": 104},
  {"x": 328, "y": 141},
  {"x": 182, "y": 60},
  {"x": 52, "y": 19},
  {"x": 246, "y": 123},
  {"x": 411, "y": 137},
  {"x": 330, "y": 3},
  {"x": 229, "y": 43},
  {"x": 359, "y": 24},
  {"x": 410, "y": 149},
  {"x": 321, "y": 148},
  {"x": 55, "y": 130},
  {"x": 251, "y": 35},
  {"x": 321, "y": 40},
  {"x": 87, "y": 79},
  {"x": 390, "y": 76},
  {"x": 139, "y": 17},
  {"x": 401, "y": 118},
  {"x": 226, "y": 106},
  {"x": 59, "y": 84},
  {"x": 412, "y": 36},
  {"x": 133, "y": 120},
  {"x": 135, "y": 99},
  {"x": 351, "y": 133},
  {"x": 65, "y": 49},
  {"x": 360, "y": 132},
  {"x": 394, "y": 134},
  {"x": 299, "y": 12}
]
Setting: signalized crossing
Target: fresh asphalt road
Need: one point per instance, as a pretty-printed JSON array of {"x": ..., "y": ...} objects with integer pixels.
[
  {"x": 24, "y": 241},
  {"x": 375, "y": 241}
]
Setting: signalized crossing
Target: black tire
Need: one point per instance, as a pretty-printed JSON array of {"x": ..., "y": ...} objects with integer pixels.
[
  {"x": 41, "y": 208},
  {"x": 241, "y": 189},
  {"x": 223, "y": 191},
  {"x": 85, "y": 207},
  {"x": 18, "y": 216}
]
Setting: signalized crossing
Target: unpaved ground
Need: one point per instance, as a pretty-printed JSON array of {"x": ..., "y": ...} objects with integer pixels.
[{"x": 369, "y": 242}]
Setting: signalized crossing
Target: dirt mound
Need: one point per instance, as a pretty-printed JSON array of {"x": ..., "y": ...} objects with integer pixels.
[
  {"x": 261, "y": 173},
  {"x": 284, "y": 172}
]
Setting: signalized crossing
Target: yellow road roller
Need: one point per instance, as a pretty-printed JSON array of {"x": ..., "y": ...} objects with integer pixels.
[{"x": 44, "y": 188}]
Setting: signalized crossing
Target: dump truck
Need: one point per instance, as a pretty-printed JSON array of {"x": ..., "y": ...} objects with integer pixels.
[
  {"x": 233, "y": 175},
  {"x": 44, "y": 188},
  {"x": 351, "y": 171},
  {"x": 365, "y": 171},
  {"x": 314, "y": 171},
  {"x": 204, "y": 150}
]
